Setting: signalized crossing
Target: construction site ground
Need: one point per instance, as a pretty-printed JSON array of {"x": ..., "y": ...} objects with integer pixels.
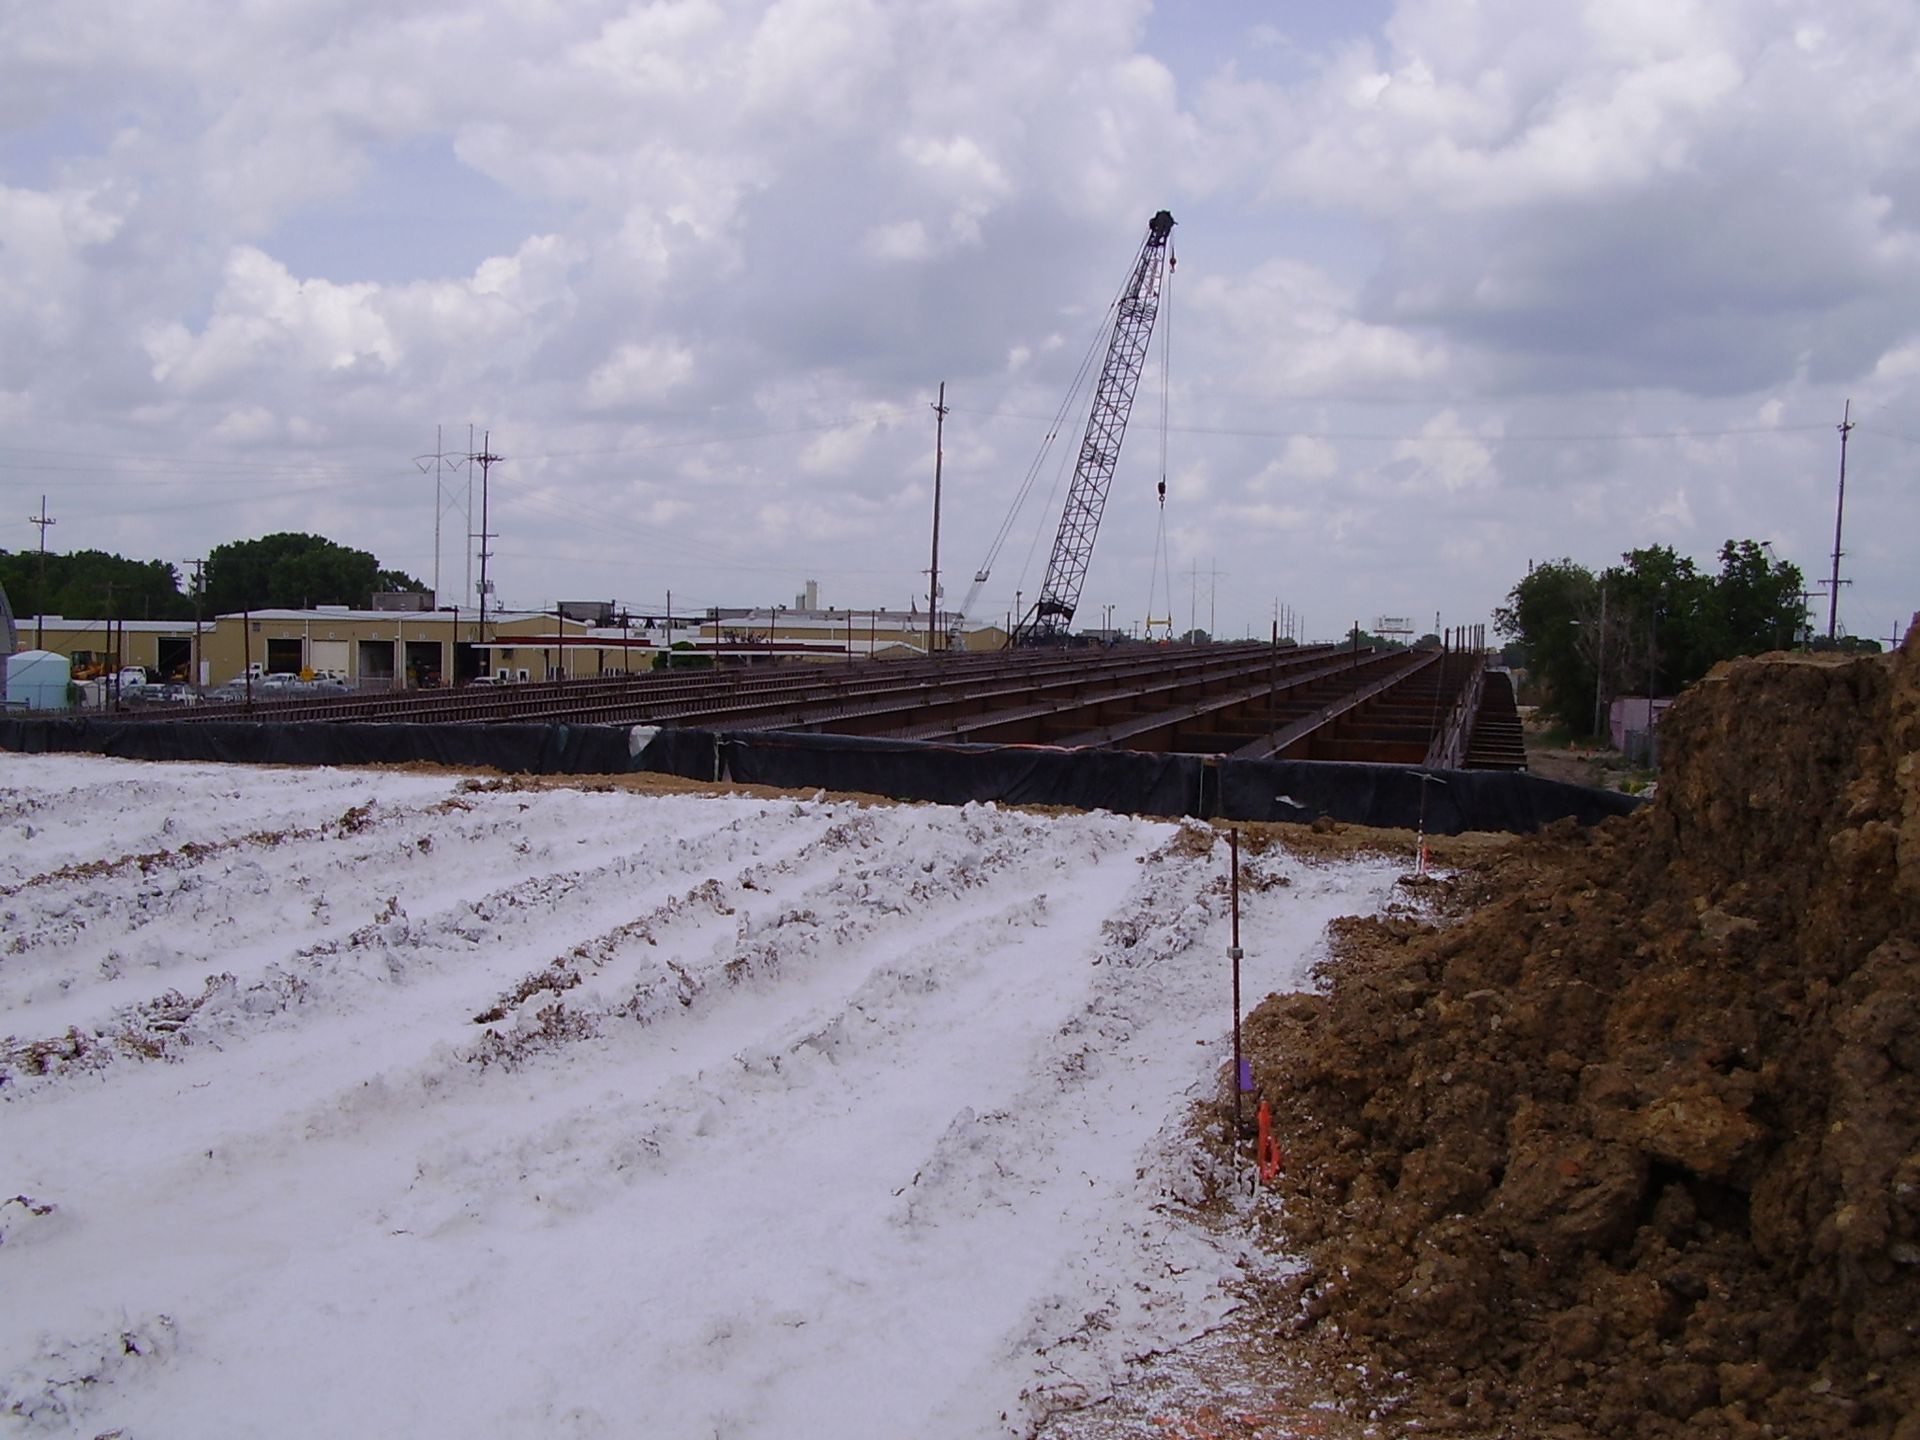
[
  {"x": 1553, "y": 756},
  {"x": 1609, "y": 1132},
  {"x": 1617, "y": 1132}
]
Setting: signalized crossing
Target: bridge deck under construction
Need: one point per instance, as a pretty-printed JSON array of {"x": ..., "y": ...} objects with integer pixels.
[{"x": 1249, "y": 701}]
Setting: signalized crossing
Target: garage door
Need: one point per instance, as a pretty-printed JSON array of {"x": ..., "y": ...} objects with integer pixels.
[{"x": 330, "y": 655}]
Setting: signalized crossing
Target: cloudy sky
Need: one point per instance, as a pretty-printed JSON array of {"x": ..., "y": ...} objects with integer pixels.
[{"x": 1459, "y": 285}]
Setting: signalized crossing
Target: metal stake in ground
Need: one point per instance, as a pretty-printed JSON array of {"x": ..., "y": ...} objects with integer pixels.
[
  {"x": 1426, "y": 778},
  {"x": 1242, "y": 1079}
]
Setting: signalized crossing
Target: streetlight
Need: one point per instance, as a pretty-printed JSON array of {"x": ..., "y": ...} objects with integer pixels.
[
  {"x": 1600, "y": 657},
  {"x": 1775, "y": 564}
]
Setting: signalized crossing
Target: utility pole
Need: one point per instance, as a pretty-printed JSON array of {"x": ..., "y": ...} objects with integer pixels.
[
  {"x": 466, "y": 463},
  {"x": 199, "y": 587},
  {"x": 1273, "y": 663},
  {"x": 1839, "y": 510},
  {"x": 40, "y": 610},
  {"x": 1213, "y": 594},
  {"x": 933, "y": 568},
  {"x": 1600, "y": 660},
  {"x": 114, "y": 658},
  {"x": 486, "y": 460}
]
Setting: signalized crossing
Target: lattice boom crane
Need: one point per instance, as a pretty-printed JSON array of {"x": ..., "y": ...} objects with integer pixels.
[{"x": 1138, "y": 306}]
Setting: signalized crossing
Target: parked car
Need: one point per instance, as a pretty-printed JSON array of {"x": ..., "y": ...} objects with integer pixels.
[{"x": 236, "y": 690}]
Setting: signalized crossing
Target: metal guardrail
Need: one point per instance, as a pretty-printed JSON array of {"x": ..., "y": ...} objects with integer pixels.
[{"x": 1449, "y": 748}]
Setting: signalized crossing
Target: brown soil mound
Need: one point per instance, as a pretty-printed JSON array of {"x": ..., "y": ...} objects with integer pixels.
[{"x": 1633, "y": 1148}]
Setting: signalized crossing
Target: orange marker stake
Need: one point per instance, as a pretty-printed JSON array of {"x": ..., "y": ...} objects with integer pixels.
[{"x": 1266, "y": 1152}]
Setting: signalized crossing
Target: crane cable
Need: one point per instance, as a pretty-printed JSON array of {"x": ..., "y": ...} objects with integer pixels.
[
  {"x": 1096, "y": 347},
  {"x": 1161, "y": 564}
]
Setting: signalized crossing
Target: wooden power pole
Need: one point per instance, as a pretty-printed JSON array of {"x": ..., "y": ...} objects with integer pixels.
[
  {"x": 933, "y": 566},
  {"x": 1839, "y": 510}
]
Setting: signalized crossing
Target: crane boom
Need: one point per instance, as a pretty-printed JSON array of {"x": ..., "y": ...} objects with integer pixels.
[{"x": 1134, "y": 314}]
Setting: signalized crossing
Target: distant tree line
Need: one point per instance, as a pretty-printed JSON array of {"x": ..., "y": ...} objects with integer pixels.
[
  {"x": 1649, "y": 625},
  {"x": 88, "y": 582},
  {"x": 285, "y": 570}
]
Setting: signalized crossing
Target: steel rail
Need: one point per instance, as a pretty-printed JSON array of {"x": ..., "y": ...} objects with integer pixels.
[
  {"x": 1279, "y": 741},
  {"x": 1111, "y": 736},
  {"x": 972, "y": 726}
]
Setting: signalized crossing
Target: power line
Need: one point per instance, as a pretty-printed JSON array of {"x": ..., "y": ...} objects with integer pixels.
[
  {"x": 1384, "y": 436},
  {"x": 188, "y": 467}
]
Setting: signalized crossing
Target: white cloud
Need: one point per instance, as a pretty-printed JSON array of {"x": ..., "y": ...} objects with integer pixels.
[
  {"x": 637, "y": 375},
  {"x": 709, "y": 227},
  {"x": 1305, "y": 459},
  {"x": 1289, "y": 329},
  {"x": 836, "y": 451},
  {"x": 902, "y": 240},
  {"x": 812, "y": 60},
  {"x": 1446, "y": 454},
  {"x": 660, "y": 51},
  {"x": 264, "y": 318},
  {"x": 48, "y": 239}
]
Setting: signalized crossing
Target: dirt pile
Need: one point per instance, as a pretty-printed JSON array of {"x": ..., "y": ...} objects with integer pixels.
[{"x": 1631, "y": 1144}]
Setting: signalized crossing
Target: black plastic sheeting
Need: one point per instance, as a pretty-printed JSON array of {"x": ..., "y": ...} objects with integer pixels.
[
  {"x": 529, "y": 749},
  {"x": 1137, "y": 783},
  {"x": 1455, "y": 800},
  {"x": 1130, "y": 782},
  {"x": 1125, "y": 780}
]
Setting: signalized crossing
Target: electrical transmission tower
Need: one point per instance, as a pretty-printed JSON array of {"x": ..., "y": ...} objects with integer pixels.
[{"x": 440, "y": 463}]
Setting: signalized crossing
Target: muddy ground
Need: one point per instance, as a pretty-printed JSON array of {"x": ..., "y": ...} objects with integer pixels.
[{"x": 1621, "y": 1135}]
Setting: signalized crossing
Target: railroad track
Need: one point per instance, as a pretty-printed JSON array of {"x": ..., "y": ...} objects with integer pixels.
[{"x": 1247, "y": 700}]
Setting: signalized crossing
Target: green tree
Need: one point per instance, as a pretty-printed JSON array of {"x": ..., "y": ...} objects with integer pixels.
[
  {"x": 1366, "y": 639},
  {"x": 1654, "y": 622},
  {"x": 93, "y": 584},
  {"x": 294, "y": 571},
  {"x": 1554, "y": 614},
  {"x": 1656, "y": 635},
  {"x": 1845, "y": 645},
  {"x": 1755, "y": 605},
  {"x": 682, "y": 657},
  {"x": 388, "y": 580}
]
